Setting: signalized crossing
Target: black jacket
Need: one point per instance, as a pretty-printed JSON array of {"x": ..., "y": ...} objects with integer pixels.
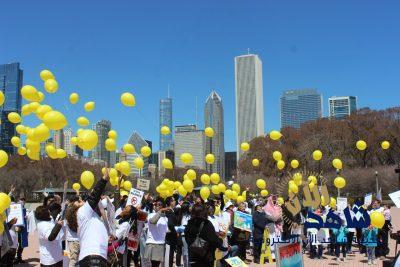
[
  {"x": 207, "y": 233},
  {"x": 171, "y": 237},
  {"x": 259, "y": 223}
]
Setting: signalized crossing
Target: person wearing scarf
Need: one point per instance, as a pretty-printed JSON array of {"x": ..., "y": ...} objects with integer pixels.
[{"x": 273, "y": 213}]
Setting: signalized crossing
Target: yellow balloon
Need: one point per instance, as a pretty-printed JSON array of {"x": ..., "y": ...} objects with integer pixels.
[
  {"x": 87, "y": 179},
  {"x": 240, "y": 199},
  {"x": 127, "y": 99},
  {"x": 221, "y": 187},
  {"x": 209, "y": 132},
  {"x": 21, "y": 129},
  {"x": 186, "y": 158},
  {"x": 128, "y": 148},
  {"x": 2, "y": 98},
  {"x": 228, "y": 193},
  {"x": 293, "y": 188},
  {"x": 16, "y": 141},
  {"x": 277, "y": 155},
  {"x": 214, "y": 177},
  {"x": 14, "y": 117},
  {"x": 42, "y": 110},
  {"x": 377, "y": 219},
  {"x": 82, "y": 121},
  {"x": 280, "y": 164},
  {"x": 89, "y": 106},
  {"x": 177, "y": 184},
  {"x": 294, "y": 163},
  {"x": 138, "y": 162},
  {"x": 298, "y": 178},
  {"x": 317, "y": 155},
  {"x": 244, "y": 146},
  {"x": 337, "y": 164},
  {"x": 205, "y": 179},
  {"x": 182, "y": 191},
  {"x": 40, "y": 96},
  {"x": 41, "y": 133},
  {"x": 167, "y": 163},
  {"x": 275, "y": 135},
  {"x": 236, "y": 188},
  {"x": 204, "y": 192},
  {"x": 191, "y": 174},
  {"x": 112, "y": 173},
  {"x": 21, "y": 150},
  {"x": 30, "y": 93},
  {"x": 165, "y": 130},
  {"x": 280, "y": 201},
  {"x": 332, "y": 203},
  {"x": 61, "y": 153},
  {"x": 215, "y": 189},
  {"x": 264, "y": 193},
  {"x": 87, "y": 139},
  {"x": 114, "y": 181},
  {"x": 46, "y": 75},
  {"x": 55, "y": 120},
  {"x": 110, "y": 144},
  {"x": 26, "y": 110},
  {"x": 73, "y": 98},
  {"x": 51, "y": 86},
  {"x": 51, "y": 151},
  {"x": 76, "y": 186},
  {"x": 311, "y": 185},
  {"x": 124, "y": 167},
  {"x": 339, "y": 182},
  {"x": 127, "y": 185},
  {"x": 112, "y": 134},
  {"x": 385, "y": 145},
  {"x": 234, "y": 195},
  {"x": 74, "y": 140},
  {"x": 5, "y": 202},
  {"x": 261, "y": 184},
  {"x": 188, "y": 185},
  {"x": 34, "y": 106},
  {"x": 145, "y": 151},
  {"x": 210, "y": 158},
  {"x": 255, "y": 162},
  {"x": 312, "y": 179},
  {"x": 3, "y": 158},
  {"x": 361, "y": 145}
]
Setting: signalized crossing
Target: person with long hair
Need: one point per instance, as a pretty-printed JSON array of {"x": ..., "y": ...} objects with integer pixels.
[
  {"x": 50, "y": 238},
  {"x": 71, "y": 235}
]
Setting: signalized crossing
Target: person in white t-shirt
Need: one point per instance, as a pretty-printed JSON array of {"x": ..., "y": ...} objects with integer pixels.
[
  {"x": 92, "y": 231},
  {"x": 50, "y": 238},
  {"x": 71, "y": 235},
  {"x": 157, "y": 230}
]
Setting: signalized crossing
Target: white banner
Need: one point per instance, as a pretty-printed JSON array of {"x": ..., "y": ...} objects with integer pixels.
[
  {"x": 135, "y": 197},
  {"x": 143, "y": 184}
]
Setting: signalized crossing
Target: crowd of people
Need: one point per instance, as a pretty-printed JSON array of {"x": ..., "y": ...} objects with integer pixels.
[{"x": 96, "y": 229}]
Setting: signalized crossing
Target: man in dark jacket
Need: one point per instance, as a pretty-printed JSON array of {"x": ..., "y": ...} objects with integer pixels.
[
  {"x": 172, "y": 236},
  {"x": 259, "y": 223}
]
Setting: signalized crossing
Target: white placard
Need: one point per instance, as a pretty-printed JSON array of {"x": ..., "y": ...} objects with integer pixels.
[
  {"x": 143, "y": 184},
  {"x": 135, "y": 197},
  {"x": 368, "y": 199},
  {"x": 395, "y": 196},
  {"x": 16, "y": 211},
  {"x": 341, "y": 203}
]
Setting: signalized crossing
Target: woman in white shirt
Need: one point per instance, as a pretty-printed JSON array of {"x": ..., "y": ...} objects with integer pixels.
[
  {"x": 157, "y": 230},
  {"x": 50, "y": 238}
]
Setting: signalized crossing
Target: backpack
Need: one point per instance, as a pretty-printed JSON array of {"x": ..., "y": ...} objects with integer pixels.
[{"x": 199, "y": 249}]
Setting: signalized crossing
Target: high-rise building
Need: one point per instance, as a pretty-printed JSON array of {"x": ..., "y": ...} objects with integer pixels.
[
  {"x": 100, "y": 152},
  {"x": 68, "y": 146},
  {"x": 190, "y": 140},
  {"x": 11, "y": 77},
  {"x": 230, "y": 165},
  {"x": 300, "y": 106},
  {"x": 166, "y": 120},
  {"x": 214, "y": 118},
  {"x": 58, "y": 139},
  {"x": 138, "y": 142},
  {"x": 342, "y": 106},
  {"x": 164, "y": 155},
  {"x": 249, "y": 99}
]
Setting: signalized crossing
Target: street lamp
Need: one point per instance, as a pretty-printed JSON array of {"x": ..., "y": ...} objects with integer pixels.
[{"x": 376, "y": 181}]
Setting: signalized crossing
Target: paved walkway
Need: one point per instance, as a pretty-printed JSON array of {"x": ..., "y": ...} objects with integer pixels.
[{"x": 31, "y": 254}]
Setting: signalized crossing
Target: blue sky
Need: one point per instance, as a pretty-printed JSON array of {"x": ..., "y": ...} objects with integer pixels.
[{"x": 101, "y": 49}]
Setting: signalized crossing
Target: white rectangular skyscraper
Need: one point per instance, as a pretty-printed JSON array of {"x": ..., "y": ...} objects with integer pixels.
[
  {"x": 342, "y": 106},
  {"x": 188, "y": 139},
  {"x": 249, "y": 99}
]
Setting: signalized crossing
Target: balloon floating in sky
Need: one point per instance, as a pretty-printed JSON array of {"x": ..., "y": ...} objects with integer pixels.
[
  {"x": 361, "y": 145},
  {"x": 138, "y": 162},
  {"x": 244, "y": 146},
  {"x": 3, "y": 158},
  {"x": 280, "y": 164},
  {"x": 87, "y": 139},
  {"x": 2, "y": 98},
  {"x": 145, "y": 151},
  {"x": 210, "y": 158},
  {"x": 167, "y": 163},
  {"x": 14, "y": 117},
  {"x": 127, "y": 99},
  {"x": 46, "y": 75},
  {"x": 165, "y": 130},
  {"x": 55, "y": 120},
  {"x": 205, "y": 179},
  {"x": 89, "y": 106},
  {"x": 76, "y": 186},
  {"x": 275, "y": 135},
  {"x": 112, "y": 134},
  {"x": 82, "y": 121},
  {"x": 110, "y": 144},
  {"x": 264, "y": 193},
  {"x": 87, "y": 179},
  {"x": 73, "y": 98},
  {"x": 261, "y": 184},
  {"x": 186, "y": 158},
  {"x": 128, "y": 148},
  {"x": 30, "y": 93},
  {"x": 255, "y": 162},
  {"x": 337, "y": 164},
  {"x": 339, "y": 182},
  {"x": 294, "y": 164},
  {"x": 51, "y": 86},
  {"x": 317, "y": 155},
  {"x": 277, "y": 155},
  {"x": 385, "y": 145},
  {"x": 209, "y": 132}
]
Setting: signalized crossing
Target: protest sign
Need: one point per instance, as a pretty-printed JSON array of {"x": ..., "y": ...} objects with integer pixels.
[
  {"x": 235, "y": 262},
  {"x": 135, "y": 197},
  {"x": 16, "y": 211},
  {"x": 143, "y": 184},
  {"x": 242, "y": 221},
  {"x": 289, "y": 255},
  {"x": 368, "y": 199},
  {"x": 341, "y": 203},
  {"x": 395, "y": 196}
]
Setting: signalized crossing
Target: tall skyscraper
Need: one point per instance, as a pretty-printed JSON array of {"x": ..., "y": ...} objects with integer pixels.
[
  {"x": 249, "y": 99},
  {"x": 68, "y": 146},
  {"x": 166, "y": 120},
  {"x": 11, "y": 79},
  {"x": 214, "y": 118},
  {"x": 100, "y": 152},
  {"x": 230, "y": 165},
  {"x": 138, "y": 142},
  {"x": 342, "y": 106},
  {"x": 300, "y": 106},
  {"x": 190, "y": 140},
  {"x": 58, "y": 138}
]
